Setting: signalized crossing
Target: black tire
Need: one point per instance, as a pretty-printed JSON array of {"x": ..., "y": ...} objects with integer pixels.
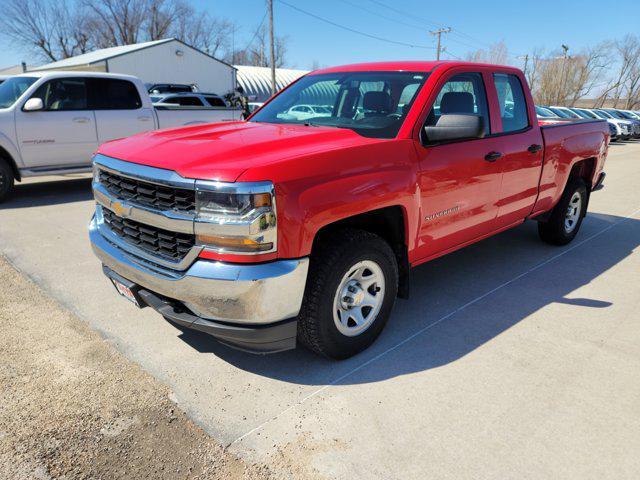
[
  {"x": 6, "y": 179},
  {"x": 556, "y": 230},
  {"x": 331, "y": 262}
]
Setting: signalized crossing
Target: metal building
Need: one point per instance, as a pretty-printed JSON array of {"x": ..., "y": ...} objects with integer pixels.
[
  {"x": 161, "y": 61},
  {"x": 256, "y": 81}
]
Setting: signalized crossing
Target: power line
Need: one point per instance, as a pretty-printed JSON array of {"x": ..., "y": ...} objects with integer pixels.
[
  {"x": 439, "y": 33},
  {"x": 256, "y": 32},
  {"x": 373, "y": 12},
  {"x": 455, "y": 31},
  {"x": 353, "y": 30},
  {"x": 403, "y": 13}
]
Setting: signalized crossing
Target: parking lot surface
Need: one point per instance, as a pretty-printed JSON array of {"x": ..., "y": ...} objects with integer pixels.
[{"x": 512, "y": 358}]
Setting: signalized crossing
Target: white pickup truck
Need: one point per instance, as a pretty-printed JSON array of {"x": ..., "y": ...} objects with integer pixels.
[{"x": 52, "y": 122}]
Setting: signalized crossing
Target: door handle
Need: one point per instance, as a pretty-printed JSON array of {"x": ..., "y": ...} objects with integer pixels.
[
  {"x": 492, "y": 156},
  {"x": 144, "y": 118},
  {"x": 81, "y": 120},
  {"x": 535, "y": 148}
]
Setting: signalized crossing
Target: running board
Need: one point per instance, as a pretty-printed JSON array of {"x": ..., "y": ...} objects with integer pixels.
[{"x": 61, "y": 170}]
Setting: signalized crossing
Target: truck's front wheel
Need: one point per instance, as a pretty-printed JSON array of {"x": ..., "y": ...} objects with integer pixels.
[
  {"x": 565, "y": 219},
  {"x": 6, "y": 179},
  {"x": 352, "y": 285}
]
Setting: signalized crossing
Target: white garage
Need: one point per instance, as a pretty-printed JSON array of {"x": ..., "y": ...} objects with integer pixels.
[{"x": 161, "y": 61}]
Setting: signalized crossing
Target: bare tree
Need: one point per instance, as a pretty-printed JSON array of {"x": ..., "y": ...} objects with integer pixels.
[
  {"x": 256, "y": 52},
  {"x": 497, "y": 54},
  {"x": 115, "y": 22},
  {"x": 52, "y": 30},
  {"x": 201, "y": 31}
]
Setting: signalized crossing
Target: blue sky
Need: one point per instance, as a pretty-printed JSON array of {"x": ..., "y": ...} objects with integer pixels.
[{"x": 523, "y": 25}]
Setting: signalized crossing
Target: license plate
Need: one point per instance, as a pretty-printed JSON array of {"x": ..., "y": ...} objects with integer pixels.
[{"x": 125, "y": 292}]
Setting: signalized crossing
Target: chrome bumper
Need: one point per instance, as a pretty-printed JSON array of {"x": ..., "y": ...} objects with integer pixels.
[{"x": 252, "y": 294}]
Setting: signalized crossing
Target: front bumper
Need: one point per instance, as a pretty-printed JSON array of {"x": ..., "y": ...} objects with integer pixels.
[{"x": 236, "y": 303}]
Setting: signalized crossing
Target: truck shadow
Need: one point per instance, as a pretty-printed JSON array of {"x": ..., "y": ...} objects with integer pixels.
[
  {"x": 69, "y": 189},
  {"x": 445, "y": 309}
]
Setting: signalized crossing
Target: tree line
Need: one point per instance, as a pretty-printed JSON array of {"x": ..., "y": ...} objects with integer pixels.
[
  {"x": 56, "y": 29},
  {"x": 607, "y": 73}
]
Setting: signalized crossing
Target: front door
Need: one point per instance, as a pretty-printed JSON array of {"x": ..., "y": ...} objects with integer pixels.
[
  {"x": 64, "y": 132},
  {"x": 459, "y": 181}
]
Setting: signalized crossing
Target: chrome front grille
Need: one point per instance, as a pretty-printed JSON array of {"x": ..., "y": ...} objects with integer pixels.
[
  {"x": 159, "y": 197},
  {"x": 172, "y": 246}
]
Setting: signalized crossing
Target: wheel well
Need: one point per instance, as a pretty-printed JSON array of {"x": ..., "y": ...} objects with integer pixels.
[
  {"x": 388, "y": 223},
  {"x": 4, "y": 155},
  {"x": 584, "y": 169}
]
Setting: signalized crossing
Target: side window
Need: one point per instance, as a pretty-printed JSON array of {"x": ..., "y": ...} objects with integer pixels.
[
  {"x": 113, "y": 94},
  {"x": 513, "y": 105},
  {"x": 63, "y": 94},
  {"x": 215, "y": 101},
  {"x": 190, "y": 102},
  {"x": 172, "y": 100},
  {"x": 463, "y": 93}
]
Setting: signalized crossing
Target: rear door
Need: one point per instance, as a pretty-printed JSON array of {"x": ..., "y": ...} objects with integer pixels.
[
  {"x": 520, "y": 146},
  {"x": 64, "y": 132},
  {"x": 118, "y": 108},
  {"x": 459, "y": 181}
]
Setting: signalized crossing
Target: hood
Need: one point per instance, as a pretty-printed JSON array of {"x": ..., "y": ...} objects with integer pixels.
[{"x": 224, "y": 151}]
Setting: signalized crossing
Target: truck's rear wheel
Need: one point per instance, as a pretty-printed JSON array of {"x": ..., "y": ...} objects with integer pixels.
[
  {"x": 6, "y": 179},
  {"x": 565, "y": 219},
  {"x": 352, "y": 286}
]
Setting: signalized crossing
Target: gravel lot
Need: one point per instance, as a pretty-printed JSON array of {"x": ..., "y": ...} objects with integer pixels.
[
  {"x": 512, "y": 359},
  {"x": 73, "y": 407}
]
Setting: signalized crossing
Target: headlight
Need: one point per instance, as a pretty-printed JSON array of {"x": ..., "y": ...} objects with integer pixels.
[{"x": 236, "y": 217}]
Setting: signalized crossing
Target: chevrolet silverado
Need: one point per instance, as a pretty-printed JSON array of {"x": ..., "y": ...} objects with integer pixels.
[{"x": 284, "y": 229}]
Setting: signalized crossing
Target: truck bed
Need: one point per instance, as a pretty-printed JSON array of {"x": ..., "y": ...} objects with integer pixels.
[{"x": 565, "y": 143}]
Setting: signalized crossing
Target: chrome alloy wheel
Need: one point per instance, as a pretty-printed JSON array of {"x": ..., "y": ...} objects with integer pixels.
[
  {"x": 358, "y": 298},
  {"x": 574, "y": 209}
]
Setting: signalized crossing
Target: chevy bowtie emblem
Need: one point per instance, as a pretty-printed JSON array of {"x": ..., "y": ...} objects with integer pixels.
[{"x": 120, "y": 209}]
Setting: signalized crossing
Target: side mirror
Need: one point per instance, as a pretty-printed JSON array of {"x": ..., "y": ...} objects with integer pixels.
[
  {"x": 33, "y": 105},
  {"x": 455, "y": 126}
]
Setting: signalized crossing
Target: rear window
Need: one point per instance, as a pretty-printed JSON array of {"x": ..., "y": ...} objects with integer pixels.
[
  {"x": 113, "y": 94},
  {"x": 184, "y": 101},
  {"x": 513, "y": 105},
  {"x": 215, "y": 101}
]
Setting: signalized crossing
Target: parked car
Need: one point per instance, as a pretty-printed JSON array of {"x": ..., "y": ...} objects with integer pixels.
[
  {"x": 159, "y": 88},
  {"x": 189, "y": 100},
  {"x": 253, "y": 106},
  {"x": 625, "y": 125},
  {"x": 52, "y": 122},
  {"x": 614, "y": 128},
  {"x": 305, "y": 112},
  {"x": 276, "y": 229},
  {"x": 622, "y": 115}
]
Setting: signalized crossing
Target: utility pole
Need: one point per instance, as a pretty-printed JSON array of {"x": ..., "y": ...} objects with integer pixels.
[
  {"x": 439, "y": 33},
  {"x": 526, "y": 62},
  {"x": 563, "y": 77},
  {"x": 273, "y": 49}
]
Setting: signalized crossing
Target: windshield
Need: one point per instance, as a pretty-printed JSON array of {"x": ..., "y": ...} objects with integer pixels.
[
  {"x": 560, "y": 113},
  {"x": 580, "y": 113},
  {"x": 13, "y": 88},
  {"x": 605, "y": 114},
  {"x": 587, "y": 113},
  {"x": 373, "y": 104},
  {"x": 544, "y": 112},
  {"x": 615, "y": 114}
]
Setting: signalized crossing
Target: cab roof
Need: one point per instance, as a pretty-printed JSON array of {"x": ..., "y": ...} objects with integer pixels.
[{"x": 404, "y": 66}]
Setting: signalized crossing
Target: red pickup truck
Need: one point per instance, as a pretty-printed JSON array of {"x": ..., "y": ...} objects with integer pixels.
[{"x": 303, "y": 222}]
